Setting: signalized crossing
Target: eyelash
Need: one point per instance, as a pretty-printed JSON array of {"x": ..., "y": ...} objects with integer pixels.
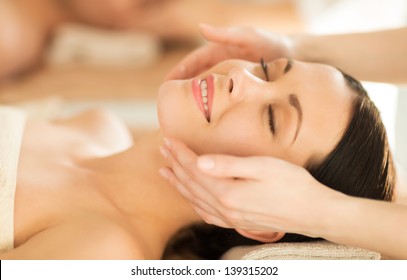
[
  {"x": 270, "y": 108},
  {"x": 271, "y": 119},
  {"x": 264, "y": 66}
]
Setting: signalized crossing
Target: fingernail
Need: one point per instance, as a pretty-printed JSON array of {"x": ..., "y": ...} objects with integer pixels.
[
  {"x": 167, "y": 142},
  {"x": 163, "y": 173},
  {"x": 206, "y": 163},
  {"x": 163, "y": 152}
]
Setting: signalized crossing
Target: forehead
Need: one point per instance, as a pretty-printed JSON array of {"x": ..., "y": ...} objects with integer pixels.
[
  {"x": 327, "y": 103},
  {"x": 327, "y": 83}
]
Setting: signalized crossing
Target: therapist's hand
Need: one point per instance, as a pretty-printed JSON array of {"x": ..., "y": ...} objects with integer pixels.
[
  {"x": 231, "y": 43},
  {"x": 254, "y": 195}
]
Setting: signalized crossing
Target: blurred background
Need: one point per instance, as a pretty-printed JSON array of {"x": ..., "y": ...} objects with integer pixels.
[{"x": 85, "y": 66}]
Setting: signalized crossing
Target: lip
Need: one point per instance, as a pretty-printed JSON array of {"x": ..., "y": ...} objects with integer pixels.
[{"x": 196, "y": 89}]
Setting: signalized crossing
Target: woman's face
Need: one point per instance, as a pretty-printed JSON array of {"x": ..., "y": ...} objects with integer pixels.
[{"x": 300, "y": 112}]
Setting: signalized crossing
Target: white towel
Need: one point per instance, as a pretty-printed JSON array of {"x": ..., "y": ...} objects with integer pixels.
[{"x": 12, "y": 122}]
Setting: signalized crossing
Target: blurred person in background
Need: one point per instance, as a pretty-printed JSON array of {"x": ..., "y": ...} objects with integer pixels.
[{"x": 27, "y": 26}]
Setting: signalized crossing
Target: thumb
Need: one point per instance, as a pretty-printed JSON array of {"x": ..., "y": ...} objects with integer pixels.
[
  {"x": 262, "y": 236},
  {"x": 235, "y": 167},
  {"x": 227, "y": 35}
]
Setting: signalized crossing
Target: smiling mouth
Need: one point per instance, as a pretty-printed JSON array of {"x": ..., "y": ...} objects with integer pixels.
[{"x": 204, "y": 93}]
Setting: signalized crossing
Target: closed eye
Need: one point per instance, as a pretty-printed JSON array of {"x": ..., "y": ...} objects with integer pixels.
[
  {"x": 270, "y": 108},
  {"x": 271, "y": 119},
  {"x": 265, "y": 69}
]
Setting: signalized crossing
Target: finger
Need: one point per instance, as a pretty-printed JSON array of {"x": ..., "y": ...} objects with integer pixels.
[
  {"x": 210, "y": 189},
  {"x": 227, "y": 35},
  {"x": 215, "y": 165},
  {"x": 262, "y": 236},
  {"x": 181, "y": 152},
  {"x": 202, "y": 207},
  {"x": 180, "y": 173},
  {"x": 185, "y": 191},
  {"x": 173, "y": 180},
  {"x": 213, "y": 219},
  {"x": 184, "y": 160},
  {"x": 208, "y": 55},
  {"x": 186, "y": 177},
  {"x": 195, "y": 63},
  {"x": 253, "y": 168},
  {"x": 178, "y": 72}
]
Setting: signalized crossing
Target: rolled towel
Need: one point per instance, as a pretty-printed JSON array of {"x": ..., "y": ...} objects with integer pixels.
[
  {"x": 316, "y": 250},
  {"x": 12, "y": 122},
  {"x": 85, "y": 45}
]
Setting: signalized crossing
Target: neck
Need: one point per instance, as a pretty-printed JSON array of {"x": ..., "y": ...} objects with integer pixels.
[{"x": 149, "y": 205}]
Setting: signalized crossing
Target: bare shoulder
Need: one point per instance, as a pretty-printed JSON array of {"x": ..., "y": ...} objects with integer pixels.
[
  {"x": 113, "y": 242},
  {"x": 91, "y": 119},
  {"x": 82, "y": 241},
  {"x": 108, "y": 240},
  {"x": 100, "y": 126}
]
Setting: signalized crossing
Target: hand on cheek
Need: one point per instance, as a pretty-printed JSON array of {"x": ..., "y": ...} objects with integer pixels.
[
  {"x": 185, "y": 176},
  {"x": 261, "y": 197}
]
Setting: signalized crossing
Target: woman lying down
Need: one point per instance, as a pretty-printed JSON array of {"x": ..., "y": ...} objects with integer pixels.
[{"x": 85, "y": 191}]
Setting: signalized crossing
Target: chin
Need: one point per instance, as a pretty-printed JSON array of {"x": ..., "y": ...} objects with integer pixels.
[{"x": 177, "y": 117}]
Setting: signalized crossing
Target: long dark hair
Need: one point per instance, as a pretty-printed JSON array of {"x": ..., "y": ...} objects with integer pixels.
[{"x": 360, "y": 165}]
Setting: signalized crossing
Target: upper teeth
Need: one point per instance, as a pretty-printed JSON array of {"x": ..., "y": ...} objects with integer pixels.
[{"x": 204, "y": 92}]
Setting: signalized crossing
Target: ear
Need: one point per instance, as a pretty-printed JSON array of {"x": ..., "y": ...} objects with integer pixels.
[{"x": 262, "y": 236}]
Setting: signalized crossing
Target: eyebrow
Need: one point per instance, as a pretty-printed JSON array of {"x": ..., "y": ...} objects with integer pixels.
[{"x": 293, "y": 100}]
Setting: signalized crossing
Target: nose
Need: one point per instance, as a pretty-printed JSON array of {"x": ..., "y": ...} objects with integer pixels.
[{"x": 241, "y": 84}]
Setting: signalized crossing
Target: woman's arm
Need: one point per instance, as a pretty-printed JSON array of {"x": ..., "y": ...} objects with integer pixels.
[
  {"x": 371, "y": 224},
  {"x": 374, "y": 225},
  {"x": 375, "y": 56}
]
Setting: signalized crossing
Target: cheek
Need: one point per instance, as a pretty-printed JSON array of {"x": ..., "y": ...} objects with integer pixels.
[
  {"x": 244, "y": 130},
  {"x": 236, "y": 133},
  {"x": 238, "y": 136},
  {"x": 177, "y": 115},
  {"x": 166, "y": 102}
]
